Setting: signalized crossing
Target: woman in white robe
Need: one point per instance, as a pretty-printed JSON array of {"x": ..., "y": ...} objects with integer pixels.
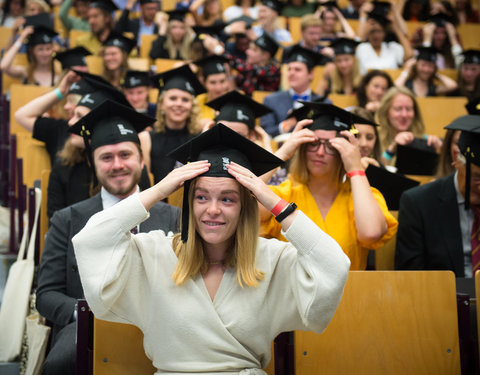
[{"x": 212, "y": 301}]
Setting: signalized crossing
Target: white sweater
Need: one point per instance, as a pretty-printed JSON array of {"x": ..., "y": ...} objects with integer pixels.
[{"x": 127, "y": 278}]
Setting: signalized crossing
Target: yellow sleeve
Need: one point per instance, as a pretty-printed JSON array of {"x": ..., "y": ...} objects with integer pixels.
[
  {"x": 392, "y": 223},
  {"x": 270, "y": 228}
]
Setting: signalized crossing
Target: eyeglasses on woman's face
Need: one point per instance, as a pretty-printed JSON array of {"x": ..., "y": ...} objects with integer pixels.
[{"x": 314, "y": 146}]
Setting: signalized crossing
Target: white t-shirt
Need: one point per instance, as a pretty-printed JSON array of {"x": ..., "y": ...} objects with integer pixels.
[
  {"x": 236, "y": 11},
  {"x": 391, "y": 56}
]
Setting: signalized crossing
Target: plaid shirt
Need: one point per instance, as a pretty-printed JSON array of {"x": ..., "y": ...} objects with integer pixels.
[{"x": 252, "y": 77}]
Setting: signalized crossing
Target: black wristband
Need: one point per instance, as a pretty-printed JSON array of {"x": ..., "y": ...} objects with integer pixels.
[{"x": 287, "y": 211}]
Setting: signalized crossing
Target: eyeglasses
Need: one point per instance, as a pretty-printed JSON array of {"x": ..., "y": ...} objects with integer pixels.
[{"x": 314, "y": 146}]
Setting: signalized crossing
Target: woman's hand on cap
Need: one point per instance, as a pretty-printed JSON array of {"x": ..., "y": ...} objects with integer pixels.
[
  {"x": 349, "y": 151},
  {"x": 176, "y": 178},
  {"x": 298, "y": 136},
  {"x": 255, "y": 184}
]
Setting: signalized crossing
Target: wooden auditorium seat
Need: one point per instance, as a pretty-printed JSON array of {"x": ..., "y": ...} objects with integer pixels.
[
  {"x": 7, "y": 81},
  {"x": 385, "y": 255},
  {"x": 395, "y": 73},
  {"x": 295, "y": 28},
  {"x": 21, "y": 95},
  {"x": 343, "y": 101},
  {"x": 5, "y": 33},
  {"x": 440, "y": 111},
  {"x": 146, "y": 44},
  {"x": 118, "y": 349},
  {"x": 74, "y": 35},
  {"x": 259, "y": 96},
  {"x": 163, "y": 65},
  {"x": 388, "y": 322},
  {"x": 95, "y": 64},
  {"x": 139, "y": 63},
  {"x": 35, "y": 158},
  {"x": 469, "y": 33}
]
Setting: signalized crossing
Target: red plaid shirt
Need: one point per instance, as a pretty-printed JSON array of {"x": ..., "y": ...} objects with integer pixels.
[{"x": 252, "y": 77}]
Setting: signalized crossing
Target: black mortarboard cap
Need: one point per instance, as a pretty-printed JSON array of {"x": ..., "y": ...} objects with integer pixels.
[
  {"x": 120, "y": 41},
  {"x": 275, "y": 5},
  {"x": 107, "y": 5},
  {"x": 73, "y": 57},
  {"x": 135, "y": 78},
  {"x": 212, "y": 64},
  {"x": 344, "y": 46},
  {"x": 41, "y": 35},
  {"x": 328, "y": 117},
  {"x": 111, "y": 123},
  {"x": 41, "y": 19},
  {"x": 177, "y": 14},
  {"x": 381, "y": 7},
  {"x": 416, "y": 158},
  {"x": 80, "y": 88},
  {"x": 473, "y": 106},
  {"x": 440, "y": 19},
  {"x": 249, "y": 21},
  {"x": 469, "y": 145},
  {"x": 236, "y": 107},
  {"x": 380, "y": 18},
  {"x": 267, "y": 43},
  {"x": 102, "y": 90},
  {"x": 391, "y": 185},
  {"x": 327, "y": 4},
  {"x": 471, "y": 56},
  {"x": 214, "y": 30},
  {"x": 220, "y": 146},
  {"x": 300, "y": 54},
  {"x": 427, "y": 54},
  {"x": 148, "y": 1},
  {"x": 181, "y": 78}
]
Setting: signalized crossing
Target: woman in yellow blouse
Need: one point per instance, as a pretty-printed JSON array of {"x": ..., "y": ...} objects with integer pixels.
[{"x": 327, "y": 182}]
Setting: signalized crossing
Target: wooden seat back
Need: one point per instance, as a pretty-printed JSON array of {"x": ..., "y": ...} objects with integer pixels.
[
  {"x": 385, "y": 255},
  {"x": 21, "y": 95},
  {"x": 388, "y": 322},
  {"x": 438, "y": 112}
]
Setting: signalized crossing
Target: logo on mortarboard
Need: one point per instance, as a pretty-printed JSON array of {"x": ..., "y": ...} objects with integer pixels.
[
  {"x": 242, "y": 116},
  {"x": 189, "y": 87},
  {"x": 134, "y": 81},
  {"x": 220, "y": 67},
  {"x": 117, "y": 42},
  {"x": 74, "y": 86},
  {"x": 87, "y": 99},
  {"x": 225, "y": 162},
  {"x": 84, "y": 60},
  {"x": 46, "y": 39},
  {"x": 339, "y": 124},
  {"x": 123, "y": 130},
  {"x": 300, "y": 58}
]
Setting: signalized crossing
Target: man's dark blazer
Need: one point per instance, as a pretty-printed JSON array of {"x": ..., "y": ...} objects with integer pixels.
[
  {"x": 59, "y": 284},
  {"x": 429, "y": 235},
  {"x": 125, "y": 24},
  {"x": 280, "y": 103}
]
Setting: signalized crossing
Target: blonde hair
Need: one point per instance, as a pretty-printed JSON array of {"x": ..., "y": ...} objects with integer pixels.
[
  {"x": 386, "y": 131},
  {"x": 43, "y": 5},
  {"x": 71, "y": 155},
  {"x": 109, "y": 75},
  {"x": 299, "y": 173},
  {"x": 32, "y": 66},
  {"x": 184, "y": 47},
  {"x": 309, "y": 20},
  {"x": 192, "y": 259},
  {"x": 192, "y": 120},
  {"x": 338, "y": 81}
]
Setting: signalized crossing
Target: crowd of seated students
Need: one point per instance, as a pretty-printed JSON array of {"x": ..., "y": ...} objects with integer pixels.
[{"x": 228, "y": 56}]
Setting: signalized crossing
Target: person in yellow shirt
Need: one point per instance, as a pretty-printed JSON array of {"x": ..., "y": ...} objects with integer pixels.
[
  {"x": 327, "y": 181},
  {"x": 214, "y": 75}
]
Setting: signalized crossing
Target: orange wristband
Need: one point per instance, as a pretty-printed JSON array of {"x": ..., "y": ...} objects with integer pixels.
[
  {"x": 282, "y": 203},
  {"x": 356, "y": 173}
]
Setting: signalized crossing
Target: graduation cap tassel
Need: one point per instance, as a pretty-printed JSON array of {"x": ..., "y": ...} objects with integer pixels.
[
  {"x": 89, "y": 152},
  {"x": 185, "y": 211}
]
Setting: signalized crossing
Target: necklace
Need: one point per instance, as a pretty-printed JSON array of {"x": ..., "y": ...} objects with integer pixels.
[{"x": 216, "y": 262}]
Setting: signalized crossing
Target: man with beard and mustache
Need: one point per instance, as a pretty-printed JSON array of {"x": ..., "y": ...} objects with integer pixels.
[
  {"x": 101, "y": 25},
  {"x": 118, "y": 162}
]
